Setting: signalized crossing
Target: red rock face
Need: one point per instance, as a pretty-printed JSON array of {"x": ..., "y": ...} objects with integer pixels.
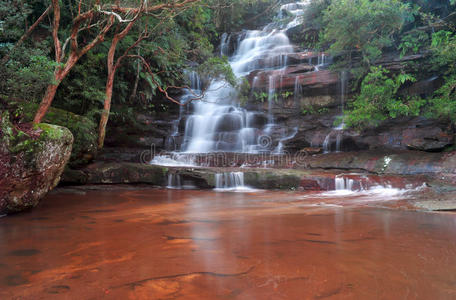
[{"x": 285, "y": 79}]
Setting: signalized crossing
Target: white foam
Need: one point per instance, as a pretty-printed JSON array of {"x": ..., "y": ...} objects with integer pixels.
[
  {"x": 238, "y": 189},
  {"x": 167, "y": 161},
  {"x": 374, "y": 193}
]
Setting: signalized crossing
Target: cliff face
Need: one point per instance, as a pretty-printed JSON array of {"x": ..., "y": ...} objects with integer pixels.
[
  {"x": 31, "y": 162},
  {"x": 310, "y": 99},
  {"x": 308, "y": 115}
]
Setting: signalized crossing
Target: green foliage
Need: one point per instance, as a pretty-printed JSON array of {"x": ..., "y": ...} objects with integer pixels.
[
  {"x": 314, "y": 13},
  {"x": 260, "y": 96},
  {"x": 313, "y": 110},
  {"x": 15, "y": 141},
  {"x": 217, "y": 68},
  {"x": 444, "y": 50},
  {"x": 244, "y": 90},
  {"x": 82, "y": 91},
  {"x": 412, "y": 42},
  {"x": 286, "y": 94},
  {"x": 27, "y": 74},
  {"x": 443, "y": 47},
  {"x": 444, "y": 104},
  {"x": 363, "y": 26},
  {"x": 235, "y": 15},
  {"x": 276, "y": 97},
  {"x": 13, "y": 17},
  {"x": 84, "y": 130},
  {"x": 378, "y": 100}
]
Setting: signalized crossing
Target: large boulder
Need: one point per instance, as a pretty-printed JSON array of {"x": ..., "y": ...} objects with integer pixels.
[
  {"x": 84, "y": 131},
  {"x": 31, "y": 162}
]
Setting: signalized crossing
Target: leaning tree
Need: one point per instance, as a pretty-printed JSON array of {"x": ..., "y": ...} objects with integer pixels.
[{"x": 100, "y": 16}]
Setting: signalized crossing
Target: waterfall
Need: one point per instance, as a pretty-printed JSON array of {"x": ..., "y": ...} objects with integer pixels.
[
  {"x": 343, "y": 88},
  {"x": 321, "y": 62},
  {"x": 343, "y": 93},
  {"x": 337, "y": 131},
  {"x": 271, "y": 94},
  {"x": 174, "y": 181},
  {"x": 195, "y": 90},
  {"x": 343, "y": 184},
  {"x": 229, "y": 181},
  {"x": 338, "y": 141},
  {"x": 326, "y": 144},
  {"x": 225, "y": 45},
  {"x": 297, "y": 93},
  {"x": 215, "y": 121}
]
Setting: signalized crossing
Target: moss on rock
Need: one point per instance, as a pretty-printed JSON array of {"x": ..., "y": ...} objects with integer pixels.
[
  {"x": 84, "y": 131},
  {"x": 30, "y": 166}
]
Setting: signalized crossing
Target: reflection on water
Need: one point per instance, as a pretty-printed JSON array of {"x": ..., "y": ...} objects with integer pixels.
[{"x": 170, "y": 244}]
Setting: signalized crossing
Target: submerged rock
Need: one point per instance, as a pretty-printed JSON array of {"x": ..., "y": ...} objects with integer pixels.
[{"x": 30, "y": 163}]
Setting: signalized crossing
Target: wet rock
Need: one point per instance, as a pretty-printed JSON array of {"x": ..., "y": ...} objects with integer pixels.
[
  {"x": 302, "y": 35},
  {"x": 117, "y": 173},
  {"x": 322, "y": 82},
  {"x": 423, "y": 88},
  {"x": 410, "y": 133},
  {"x": 399, "y": 134},
  {"x": 437, "y": 205},
  {"x": 83, "y": 129},
  {"x": 148, "y": 130},
  {"x": 312, "y": 150},
  {"x": 31, "y": 167}
]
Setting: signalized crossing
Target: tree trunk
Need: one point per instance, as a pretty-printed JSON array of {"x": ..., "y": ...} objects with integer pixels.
[
  {"x": 106, "y": 110},
  {"x": 135, "y": 86},
  {"x": 46, "y": 102},
  {"x": 108, "y": 93},
  {"x": 112, "y": 67},
  {"x": 59, "y": 75}
]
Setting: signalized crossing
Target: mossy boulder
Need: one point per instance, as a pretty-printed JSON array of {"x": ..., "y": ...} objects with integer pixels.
[
  {"x": 31, "y": 163},
  {"x": 84, "y": 131}
]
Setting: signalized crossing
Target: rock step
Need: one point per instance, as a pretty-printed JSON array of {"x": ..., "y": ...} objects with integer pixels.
[{"x": 204, "y": 178}]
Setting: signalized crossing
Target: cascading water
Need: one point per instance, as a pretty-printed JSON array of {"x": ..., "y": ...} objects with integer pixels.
[
  {"x": 225, "y": 44},
  {"x": 295, "y": 10},
  {"x": 189, "y": 95},
  {"x": 230, "y": 181},
  {"x": 174, "y": 181},
  {"x": 342, "y": 183},
  {"x": 218, "y": 123},
  {"x": 337, "y": 131}
]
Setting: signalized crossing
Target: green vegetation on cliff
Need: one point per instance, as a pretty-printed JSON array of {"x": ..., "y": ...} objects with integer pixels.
[
  {"x": 361, "y": 33},
  {"x": 150, "y": 59}
]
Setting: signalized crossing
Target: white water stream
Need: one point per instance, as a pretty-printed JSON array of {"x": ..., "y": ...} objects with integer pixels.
[{"x": 218, "y": 123}]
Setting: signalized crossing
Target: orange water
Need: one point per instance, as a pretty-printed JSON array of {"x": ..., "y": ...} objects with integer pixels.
[{"x": 171, "y": 244}]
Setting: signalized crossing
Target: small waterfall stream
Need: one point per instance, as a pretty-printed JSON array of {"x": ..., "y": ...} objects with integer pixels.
[
  {"x": 342, "y": 183},
  {"x": 337, "y": 130},
  {"x": 229, "y": 181},
  {"x": 174, "y": 181}
]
